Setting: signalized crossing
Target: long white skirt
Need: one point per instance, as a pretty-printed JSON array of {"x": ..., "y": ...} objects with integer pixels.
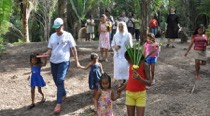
[{"x": 121, "y": 68}]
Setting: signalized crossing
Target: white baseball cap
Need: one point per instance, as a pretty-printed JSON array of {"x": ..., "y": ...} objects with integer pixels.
[{"x": 57, "y": 23}]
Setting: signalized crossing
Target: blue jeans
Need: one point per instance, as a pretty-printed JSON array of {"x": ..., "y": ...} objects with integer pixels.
[
  {"x": 154, "y": 31},
  {"x": 59, "y": 72}
]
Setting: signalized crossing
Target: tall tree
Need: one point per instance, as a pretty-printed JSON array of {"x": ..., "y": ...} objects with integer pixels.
[
  {"x": 145, "y": 7},
  {"x": 43, "y": 14},
  {"x": 62, "y": 11},
  {"x": 26, "y": 6}
]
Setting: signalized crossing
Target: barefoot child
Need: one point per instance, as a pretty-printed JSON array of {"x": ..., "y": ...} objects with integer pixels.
[
  {"x": 36, "y": 80},
  {"x": 136, "y": 87},
  {"x": 150, "y": 46},
  {"x": 95, "y": 72},
  {"x": 104, "y": 97},
  {"x": 200, "y": 41}
]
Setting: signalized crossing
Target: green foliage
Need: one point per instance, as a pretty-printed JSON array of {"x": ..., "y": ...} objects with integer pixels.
[
  {"x": 82, "y": 7},
  {"x": 208, "y": 32},
  {"x": 2, "y": 48},
  {"x": 20, "y": 41},
  {"x": 5, "y": 11}
]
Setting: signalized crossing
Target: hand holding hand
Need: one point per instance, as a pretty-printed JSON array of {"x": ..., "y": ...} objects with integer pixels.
[
  {"x": 77, "y": 65},
  {"x": 118, "y": 94}
]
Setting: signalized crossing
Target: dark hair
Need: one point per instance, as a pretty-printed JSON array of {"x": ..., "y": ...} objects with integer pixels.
[
  {"x": 33, "y": 56},
  {"x": 198, "y": 27},
  {"x": 93, "y": 56},
  {"x": 107, "y": 77}
]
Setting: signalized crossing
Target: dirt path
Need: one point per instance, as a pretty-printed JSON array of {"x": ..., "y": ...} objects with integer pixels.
[{"x": 170, "y": 96}]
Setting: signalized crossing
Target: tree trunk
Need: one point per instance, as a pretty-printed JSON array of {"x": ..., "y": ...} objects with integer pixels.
[
  {"x": 26, "y": 6},
  {"x": 145, "y": 4},
  {"x": 74, "y": 23},
  {"x": 62, "y": 11}
]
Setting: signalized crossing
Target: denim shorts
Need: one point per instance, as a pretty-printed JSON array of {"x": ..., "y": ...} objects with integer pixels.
[{"x": 151, "y": 60}]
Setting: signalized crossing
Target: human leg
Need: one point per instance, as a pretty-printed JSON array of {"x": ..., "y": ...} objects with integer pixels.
[
  {"x": 62, "y": 71},
  {"x": 87, "y": 36},
  {"x": 168, "y": 43},
  {"x": 140, "y": 111},
  {"x": 54, "y": 68},
  {"x": 137, "y": 34},
  {"x": 102, "y": 53},
  {"x": 153, "y": 72},
  {"x": 106, "y": 54},
  {"x": 130, "y": 101},
  {"x": 32, "y": 98},
  {"x": 43, "y": 96},
  {"x": 140, "y": 103},
  {"x": 130, "y": 110},
  {"x": 173, "y": 42},
  {"x": 32, "y": 94},
  {"x": 197, "y": 69},
  {"x": 61, "y": 74}
]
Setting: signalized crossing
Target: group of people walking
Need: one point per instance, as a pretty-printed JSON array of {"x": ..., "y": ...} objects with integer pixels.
[{"x": 134, "y": 81}]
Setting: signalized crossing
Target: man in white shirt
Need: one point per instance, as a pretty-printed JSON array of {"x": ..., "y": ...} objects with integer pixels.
[{"x": 59, "y": 46}]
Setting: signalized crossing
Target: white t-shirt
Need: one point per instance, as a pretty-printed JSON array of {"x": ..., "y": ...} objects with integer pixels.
[{"x": 60, "y": 46}]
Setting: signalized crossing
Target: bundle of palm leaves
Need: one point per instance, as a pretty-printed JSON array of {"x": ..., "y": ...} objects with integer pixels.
[{"x": 136, "y": 54}]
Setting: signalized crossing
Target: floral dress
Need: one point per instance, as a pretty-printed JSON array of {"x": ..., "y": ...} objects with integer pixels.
[
  {"x": 104, "y": 41},
  {"x": 105, "y": 104}
]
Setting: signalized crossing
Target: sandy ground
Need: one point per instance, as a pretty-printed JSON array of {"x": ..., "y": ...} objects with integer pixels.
[{"x": 170, "y": 96}]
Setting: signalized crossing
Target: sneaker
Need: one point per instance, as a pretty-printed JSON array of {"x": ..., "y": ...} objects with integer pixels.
[{"x": 167, "y": 45}]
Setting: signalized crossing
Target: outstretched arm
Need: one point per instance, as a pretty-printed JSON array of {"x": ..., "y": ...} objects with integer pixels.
[
  {"x": 119, "y": 90},
  {"x": 114, "y": 98},
  {"x": 101, "y": 69},
  {"x": 85, "y": 67},
  {"x": 190, "y": 46},
  {"x": 48, "y": 51},
  {"x": 45, "y": 62}
]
